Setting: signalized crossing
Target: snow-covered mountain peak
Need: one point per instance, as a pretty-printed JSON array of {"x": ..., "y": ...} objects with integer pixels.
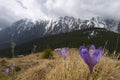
[
  {"x": 27, "y": 29},
  {"x": 65, "y": 24}
]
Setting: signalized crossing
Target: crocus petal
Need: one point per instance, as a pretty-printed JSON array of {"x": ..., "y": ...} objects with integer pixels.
[
  {"x": 65, "y": 51},
  {"x": 94, "y": 61},
  {"x": 61, "y": 51},
  {"x": 92, "y": 49},
  {"x": 97, "y": 54},
  {"x": 85, "y": 55}
]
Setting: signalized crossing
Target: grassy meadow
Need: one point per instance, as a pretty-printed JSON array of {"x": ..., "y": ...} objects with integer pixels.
[{"x": 36, "y": 67}]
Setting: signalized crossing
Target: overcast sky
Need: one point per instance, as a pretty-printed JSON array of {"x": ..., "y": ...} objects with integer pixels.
[{"x": 12, "y": 10}]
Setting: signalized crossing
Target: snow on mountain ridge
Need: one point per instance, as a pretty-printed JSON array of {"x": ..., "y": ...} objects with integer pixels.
[
  {"x": 65, "y": 24},
  {"x": 25, "y": 29}
]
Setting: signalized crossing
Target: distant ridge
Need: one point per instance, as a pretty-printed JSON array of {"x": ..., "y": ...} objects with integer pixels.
[{"x": 96, "y": 36}]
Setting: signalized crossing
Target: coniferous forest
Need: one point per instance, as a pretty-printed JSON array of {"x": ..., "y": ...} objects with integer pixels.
[{"x": 110, "y": 41}]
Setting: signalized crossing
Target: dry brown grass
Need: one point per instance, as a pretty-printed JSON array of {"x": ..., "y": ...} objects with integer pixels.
[{"x": 73, "y": 68}]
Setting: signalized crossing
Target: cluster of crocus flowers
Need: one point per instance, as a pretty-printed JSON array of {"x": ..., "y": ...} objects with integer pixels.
[
  {"x": 92, "y": 56},
  {"x": 7, "y": 70},
  {"x": 64, "y": 52}
]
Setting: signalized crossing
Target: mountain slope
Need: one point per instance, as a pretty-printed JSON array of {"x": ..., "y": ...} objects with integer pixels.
[
  {"x": 26, "y": 30},
  {"x": 96, "y": 36}
]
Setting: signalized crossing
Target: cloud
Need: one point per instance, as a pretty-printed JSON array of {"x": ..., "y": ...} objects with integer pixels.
[
  {"x": 12, "y": 10},
  {"x": 84, "y": 8},
  {"x": 21, "y": 4}
]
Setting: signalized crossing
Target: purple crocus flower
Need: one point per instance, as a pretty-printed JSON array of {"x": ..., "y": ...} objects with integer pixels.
[
  {"x": 13, "y": 65},
  {"x": 6, "y": 70},
  {"x": 91, "y": 57},
  {"x": 64, "y": 52}
]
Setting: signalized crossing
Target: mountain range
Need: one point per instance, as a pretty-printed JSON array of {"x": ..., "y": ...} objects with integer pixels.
[{"x": 26, "y": 30}]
